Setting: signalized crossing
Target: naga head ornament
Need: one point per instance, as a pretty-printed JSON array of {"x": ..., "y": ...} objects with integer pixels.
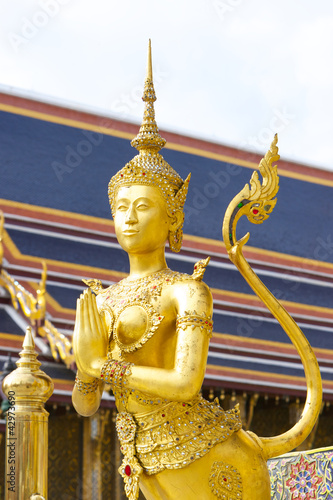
[{"x": 149, "y": 167}]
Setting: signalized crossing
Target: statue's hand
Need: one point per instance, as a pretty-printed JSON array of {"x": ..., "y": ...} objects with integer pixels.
[{"x": 90, "y": 338}]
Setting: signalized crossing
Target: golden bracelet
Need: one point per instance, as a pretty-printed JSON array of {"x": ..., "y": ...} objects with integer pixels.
[
  {"x": 86, "y": 387},
  {"x": 115, "y": 373}
]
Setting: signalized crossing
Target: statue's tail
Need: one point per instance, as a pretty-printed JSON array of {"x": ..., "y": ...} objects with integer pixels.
[{"x": 256, "y": 202}]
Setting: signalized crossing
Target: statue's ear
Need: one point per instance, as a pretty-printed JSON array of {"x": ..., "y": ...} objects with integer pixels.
[{"x": 176, "y": 220}]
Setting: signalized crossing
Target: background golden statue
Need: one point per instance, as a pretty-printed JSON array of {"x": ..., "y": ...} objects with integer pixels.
[{"x": 148, "y": 335}]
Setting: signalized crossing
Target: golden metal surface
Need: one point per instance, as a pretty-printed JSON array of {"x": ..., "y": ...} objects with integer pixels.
[
  {"x": 257, "y": 202},
  {"x": 33, "y": 307},
  {"x": 60, "y": 345},
  {"x": 158, "y": 322},
  {"x": 27, "y": 389}
]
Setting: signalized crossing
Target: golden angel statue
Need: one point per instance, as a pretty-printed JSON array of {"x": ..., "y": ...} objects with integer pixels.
[{"x": 148, "y": 335}]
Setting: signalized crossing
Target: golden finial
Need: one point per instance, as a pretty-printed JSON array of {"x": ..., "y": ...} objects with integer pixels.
[
  {"x": 199, "y": 269},
  {"x": 28, "y": 343},
  {"x": 39, "y": 386},
  {"x": 148, "y": 138},
  {"x": 28, "y": 355}
]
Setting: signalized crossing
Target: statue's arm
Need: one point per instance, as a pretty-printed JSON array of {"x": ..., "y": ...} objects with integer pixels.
[
  {"x": 184, "y": 380},
  {"x": 180, "y": 383}
]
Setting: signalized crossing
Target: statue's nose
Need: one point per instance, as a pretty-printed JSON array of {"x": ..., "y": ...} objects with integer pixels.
[{"x": 131, "y": 215}]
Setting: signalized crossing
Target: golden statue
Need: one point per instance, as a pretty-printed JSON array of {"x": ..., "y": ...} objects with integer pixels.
[{"x": 147, "y": 337}]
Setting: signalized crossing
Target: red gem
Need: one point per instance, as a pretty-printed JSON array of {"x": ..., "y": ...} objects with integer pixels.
[
  {"x": 102, "y": 375},
  {"x": 225, "y": 479},
  {"x": 143, "y": 173},
  {"x": 159, "y": 317},
  {"x": 128, "y": 470},
  {"x": 195, "y": 267},
  {"x": 163, "y": 415},
  {"x": 121, "y": 175},
  {"x": 255, "y": 211},
  {"x": 186, "y": 412}
]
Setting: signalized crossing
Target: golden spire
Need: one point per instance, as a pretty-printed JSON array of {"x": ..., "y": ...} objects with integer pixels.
[
  {"x": 27, "y": 389},
  {"x": 148, "y": 138},
  {"x": 149, "y": 64}
]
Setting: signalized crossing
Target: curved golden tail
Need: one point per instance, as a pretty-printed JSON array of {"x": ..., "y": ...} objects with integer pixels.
[{"x": 256, "y": 202}]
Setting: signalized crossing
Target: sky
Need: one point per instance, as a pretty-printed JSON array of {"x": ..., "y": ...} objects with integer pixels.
[{"x": 230, "y": 71}]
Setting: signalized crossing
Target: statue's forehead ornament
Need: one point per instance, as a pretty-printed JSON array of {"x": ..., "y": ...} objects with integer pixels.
[{"x": 149, "y": 167}]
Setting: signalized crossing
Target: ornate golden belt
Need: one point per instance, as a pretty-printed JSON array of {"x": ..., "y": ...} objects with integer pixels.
[
  {"x": 178, "y": 433},
  {"x": 171, "y": 437}
]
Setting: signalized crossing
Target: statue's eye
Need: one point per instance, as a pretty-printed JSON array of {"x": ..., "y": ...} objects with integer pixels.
[
  {"x": 122, "y": 207},
  {"x": 142, "y": 206}
]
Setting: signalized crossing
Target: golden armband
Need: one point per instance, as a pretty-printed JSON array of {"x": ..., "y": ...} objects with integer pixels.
[
  {"x": 192, "y": 319},
  {"x": 86, "y": 387}
]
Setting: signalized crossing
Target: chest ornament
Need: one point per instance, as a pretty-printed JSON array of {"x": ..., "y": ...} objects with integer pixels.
[
  {"x": 134, "y": 320},
  {"x": 141, "y": 320}
]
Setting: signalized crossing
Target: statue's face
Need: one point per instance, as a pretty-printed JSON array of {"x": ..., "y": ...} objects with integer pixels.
[{"x": 141, "y": 219}]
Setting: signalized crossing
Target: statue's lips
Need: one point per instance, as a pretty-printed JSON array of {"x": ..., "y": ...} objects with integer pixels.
[{"x": 128, "y": 232}]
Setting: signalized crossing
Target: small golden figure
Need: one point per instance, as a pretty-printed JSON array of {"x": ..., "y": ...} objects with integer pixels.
[{"x": 148, "y": 336}]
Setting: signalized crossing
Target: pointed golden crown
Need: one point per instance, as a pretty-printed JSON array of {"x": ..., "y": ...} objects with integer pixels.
[
  {"x": 149, "y": 167},
  {"x": 149, "y": 137}
]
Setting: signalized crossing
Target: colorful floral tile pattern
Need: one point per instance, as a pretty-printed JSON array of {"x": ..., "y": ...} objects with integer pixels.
[{"x": 304, "y": 476}]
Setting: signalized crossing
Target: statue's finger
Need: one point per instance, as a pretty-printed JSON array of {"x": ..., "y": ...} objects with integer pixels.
[
  {"x": 86, "y": 312},
  {"x": 94, "y": 316},
  {"x": 97, "y": 316},
  {"x": 84, "y": 320},
  {"x": 76, "y": 326}
]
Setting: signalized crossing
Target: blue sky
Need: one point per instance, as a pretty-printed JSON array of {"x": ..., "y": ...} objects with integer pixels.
[{"x": 231, "y": 71}]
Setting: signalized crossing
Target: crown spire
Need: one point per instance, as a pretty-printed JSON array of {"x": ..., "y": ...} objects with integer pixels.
[
  {"x": 149, "y": 64},
  {"x": 148, "y": 138}
]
